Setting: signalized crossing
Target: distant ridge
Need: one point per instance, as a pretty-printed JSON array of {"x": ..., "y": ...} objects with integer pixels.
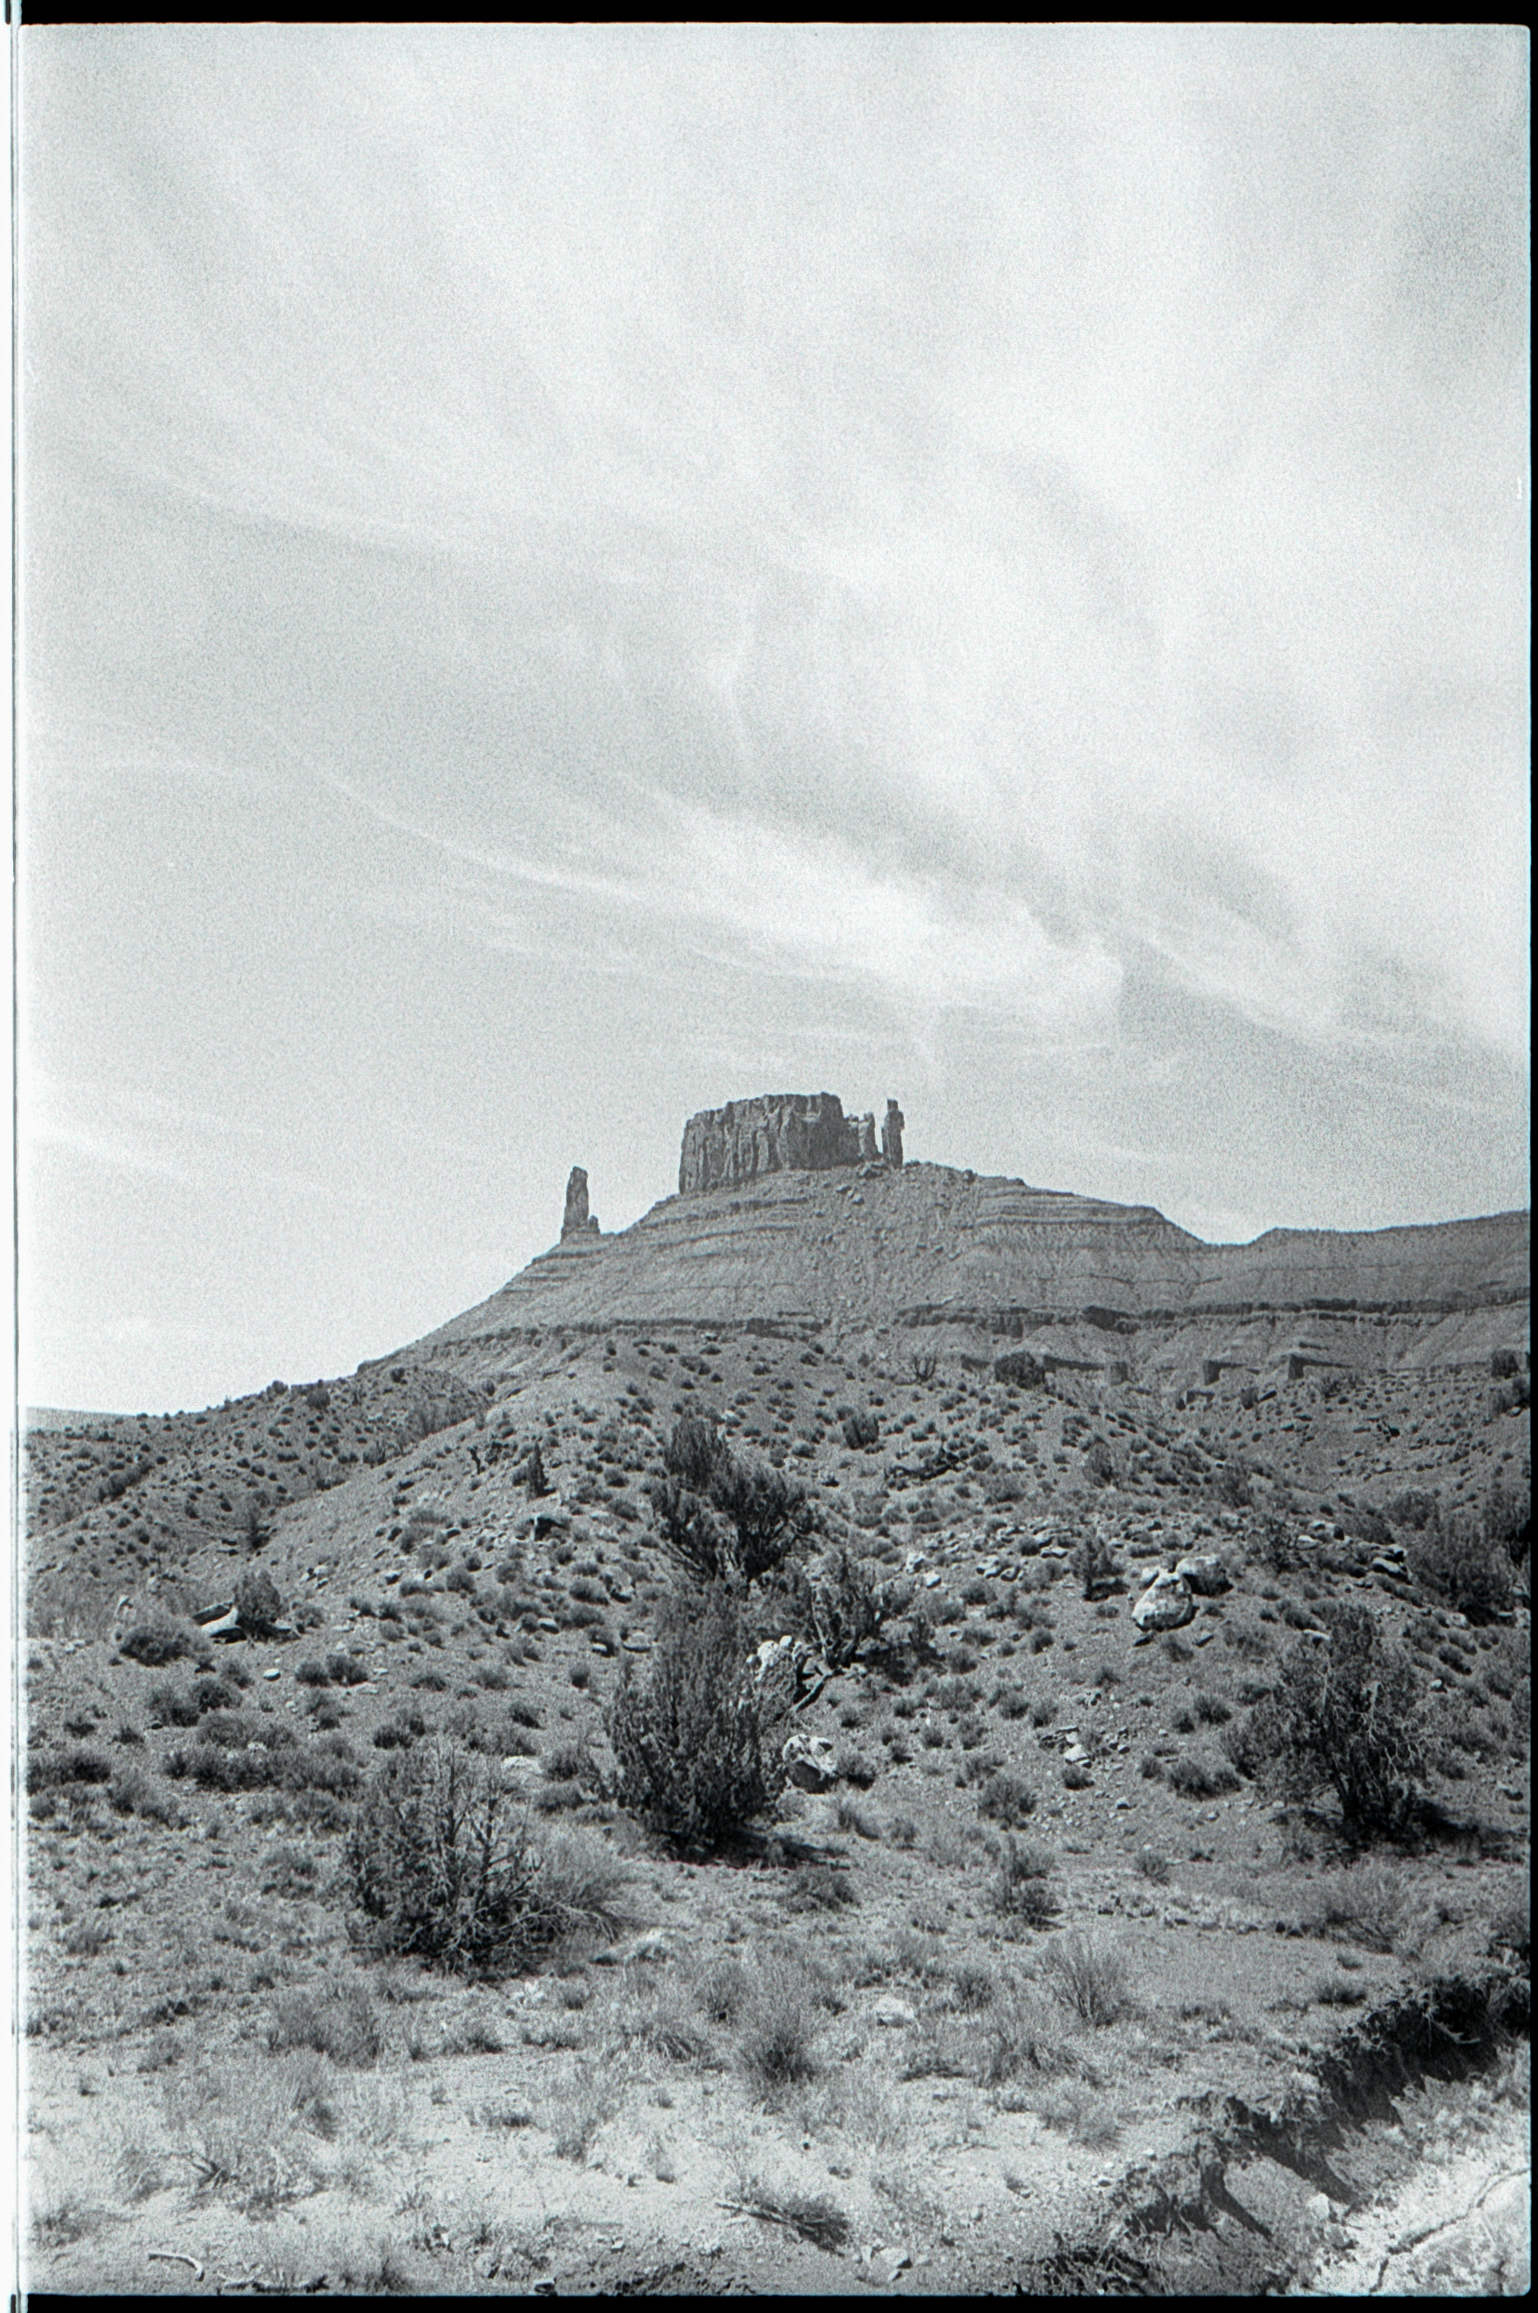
[
  {"x": 58, "y": 1417},
  {"x": 957, "y": 1261}
]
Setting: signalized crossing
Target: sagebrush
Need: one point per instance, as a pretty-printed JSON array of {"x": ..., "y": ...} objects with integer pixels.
[{"x": 447, "y": 1868}]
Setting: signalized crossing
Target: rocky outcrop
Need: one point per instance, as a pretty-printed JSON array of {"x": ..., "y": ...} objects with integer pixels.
[
  {"x": 577, "y": 1220},
  {"x": 1167, "y": 1604},
  {"x": 782, "y": 1132},
  {"x": 779, "y": 1132}
]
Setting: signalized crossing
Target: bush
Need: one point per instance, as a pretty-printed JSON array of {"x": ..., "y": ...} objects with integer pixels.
[
  {"x": 723, "y": 1520},
  {"x": 339, "y": 2024},
  {"x": 445, "y": 1869},
  {"x": 258, "y": 1605},
  {"x": 345, "y": 1670},
  {"x": 1091, "y": 1563},
  {"x": 1090, "y": 1981},
  {"x": 1007, "y": 1799},
  {"x": 72, "y": 1766},
  {"x": 214, "y": 1695},
  {"x": 172, "y": 1706},
  {"x": 1457, "y": 1562},
  {"x": 1020, "y": 1886},
  {"x": 689, "y": 1744},
  {"x": 1347, "y": 1717},
  {"x": 778, "y": 2027},
  {"x": 1195, "y": 1779},
  {"x": 1508, "y": 1520},
  {"x": 153, "y": 1643},
  {"x": 847, "y": 1603},
  {"x": 1020, "y": 1368},
  {"x": 1369, "y": 1902}
]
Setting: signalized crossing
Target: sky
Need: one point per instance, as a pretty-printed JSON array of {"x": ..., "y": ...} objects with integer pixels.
[{"x": 572, "y": 574}]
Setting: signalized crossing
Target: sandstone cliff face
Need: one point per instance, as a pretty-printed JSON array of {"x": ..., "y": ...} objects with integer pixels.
[{"x": 778, "y": 1132}]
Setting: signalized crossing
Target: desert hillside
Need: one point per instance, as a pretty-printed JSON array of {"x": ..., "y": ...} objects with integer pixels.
[{"x": 998, "y": 1977}]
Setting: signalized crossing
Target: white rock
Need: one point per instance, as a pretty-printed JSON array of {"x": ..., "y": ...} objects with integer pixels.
[
  {"x": 1165, "y": 1605},
  {"x": 1205, "y": 1573}
]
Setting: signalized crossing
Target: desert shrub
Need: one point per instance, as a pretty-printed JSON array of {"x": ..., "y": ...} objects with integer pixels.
[
  {"x": 1510, "y": 1928},
  {"x": 1247, "y": 1743},
  {"x": 1368, "y": 1902},
  {"x": 821, "y": 1887},
  {"x": 861, "y": 1427},
  {"x": 1212, "y": 1710},
  {"x": 1076, "y": 1777},
  {"x": 1231, "y": 1485},
  {"x": 777, "y": 2028},
  {"x": 1021, "y": 2036},
  {"x": 1457, "y": 1561},
  {"x": 1021, "y": 1885},
  {"x": 1508, "y": 1517},
  {"x": 258, "y": 1604},
  {"x": 339, "y": 2023},
  {"x": 1274, "y": 1544},
  {"x": 570, "y": 1763},
  {"x": 847, "y": 1602},
  {"x": 153, "y": 1643},
  {"x": 693, "y": 1759},
  {"x": 1346, "y": 1716},
  {"x": 315, "y": 1674},
  {"x": 345, "y": 1670},
  {"x": 1197, "y": 1779},
  {"x": 1007, "y": 1799},
  {"x": 721, "y": 1519},
  {"x": 1154, "y": 1867},
  {"x": 1091, "y": 1563},
  {"x": 853, "y": 1766},
  {"x": 444, "y": 1867},
  {"x": 1090, "y": 1981},
  {"x": 172, "y": 1706},
  {"x": 1020, "y": 1368},
  {"x": 135, "y": 1793},
  {"x": 214, "y": 1695},
  {"x": 973, "y": 1988},
  {"x": 721, "y": 1992},
  {"x": 1412, "y": 1508},
  {"x": 78, "y": 1765}
]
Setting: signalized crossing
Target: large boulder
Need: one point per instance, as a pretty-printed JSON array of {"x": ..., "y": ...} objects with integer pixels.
[
  {"x": 1204, "y": 1573},
  {"x": 1166, "y": 1604},
  {"x": 809, "y": 1762}
]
